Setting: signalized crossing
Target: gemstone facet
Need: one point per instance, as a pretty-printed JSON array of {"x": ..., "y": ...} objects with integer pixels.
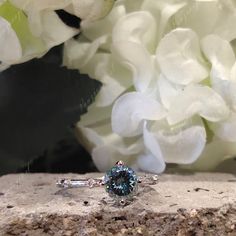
[{"x": 121, "y": 181}]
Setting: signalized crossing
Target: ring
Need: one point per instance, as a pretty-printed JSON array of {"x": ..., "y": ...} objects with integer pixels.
[{"x": 121, "y": 182}]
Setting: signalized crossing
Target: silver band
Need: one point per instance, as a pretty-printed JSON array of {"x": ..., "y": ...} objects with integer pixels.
[
  {"x": 97, "y": 182},
  {"x": 77, "y": 183}
]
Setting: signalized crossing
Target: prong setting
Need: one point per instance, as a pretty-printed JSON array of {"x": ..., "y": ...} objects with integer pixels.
[
  {"x": 121, "y": 182},
  {"x": 120, "y": 163}
]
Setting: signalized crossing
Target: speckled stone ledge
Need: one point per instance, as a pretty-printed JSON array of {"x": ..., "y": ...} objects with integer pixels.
[{"x": 198, "y": 204}]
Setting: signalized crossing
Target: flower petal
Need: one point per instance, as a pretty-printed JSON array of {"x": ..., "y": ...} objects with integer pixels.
[
  {"x": 92, "y": 9},
  {"x": 129, "y": 5},
  {"x": 136, "y": 58},
  {"x": 105, "y": 25},
  {"x": 226, "y": 130},
  {"x": 223, "y": 71},
  {"x": 139, "y": 27},
  {"x": 226, "y": 89},
  {"x": 78, "y": 53},
  {"x": 208, "y": 17},
  {"x": 4, "y": 67},
  {"x": 95, "y": 134},
  {"x": 179, "y": 57},
  {"x": 31, "y": 45},
  {"x": 220, "y": 53},
  {"x": 56, "y": 32},
  {"x": 96, "y": 127},
  {"x": 200, "y": 100},
  {"x": 182, "y": 144},
  {"x": 225, "y": 27},
  {"x": 168, "y": 91},
  {"x": 110, "y": 90},
  {"x": 131, "y": 109},
  {"x": 106, "y": 156},
  {"x": 115, "y": 80},
  {"x": 106, "y": 147},
  {"x": 10, "y": 47},
  {"x": 232, "y": 88},
  {"x": 27, "y": 5},
  {"x": 152, "y": 160},
  {"x": 34, "y": 8},
  {"x": 214, "y": 154},
  {"x": 98, "y": 65},
  {"x": 162, "y": 11},
  {"x": 35, "y": 20},
  {"x": 100, "y": 135},
  {"x": 149, "y": 163},
  {"x": 95, "y": 116},
  {"x": 39, "y": 13}
]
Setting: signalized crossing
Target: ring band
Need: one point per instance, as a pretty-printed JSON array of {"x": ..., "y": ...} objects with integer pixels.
[
  {"x": 76, "y": 183},
  {"x": 121, "y": 182}
]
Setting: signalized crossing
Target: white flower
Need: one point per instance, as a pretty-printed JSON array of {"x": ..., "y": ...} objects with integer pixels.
[
  {"x": 181, "y": 137},
  {"x": 162, "y": 94},
  {"x": 223, "y": 79},
  {"x": 25, "y": 37}
]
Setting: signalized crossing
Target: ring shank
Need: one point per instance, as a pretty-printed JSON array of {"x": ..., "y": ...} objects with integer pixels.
[
  {"x": 97, "y": 182},
  {"x": 77, "y": 183}
]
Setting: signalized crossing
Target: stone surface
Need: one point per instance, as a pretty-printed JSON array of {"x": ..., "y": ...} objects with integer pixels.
[{"x": 197, "y": 204}]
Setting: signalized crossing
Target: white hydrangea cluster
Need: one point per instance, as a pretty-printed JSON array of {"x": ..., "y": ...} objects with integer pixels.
[
  {"x": 168, "y": 70},
  {"x": 29, "y": 28}
]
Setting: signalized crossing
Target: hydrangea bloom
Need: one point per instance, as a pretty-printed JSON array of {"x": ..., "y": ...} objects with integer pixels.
[
  {"x": 168, "y": 74},
  {"x": 29, "y": 28}
]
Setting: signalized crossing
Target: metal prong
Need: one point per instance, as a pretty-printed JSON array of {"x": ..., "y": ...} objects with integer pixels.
[{"x": 120, "y": 163}]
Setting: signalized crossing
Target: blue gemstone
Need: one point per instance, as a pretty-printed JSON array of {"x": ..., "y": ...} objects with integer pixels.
[{"x": 120, "y": 180}]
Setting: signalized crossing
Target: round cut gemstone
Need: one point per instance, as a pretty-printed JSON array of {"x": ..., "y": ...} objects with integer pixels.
[{"x": 121, "y": 180}]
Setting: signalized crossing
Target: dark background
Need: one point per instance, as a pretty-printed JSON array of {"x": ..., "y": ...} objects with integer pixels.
[{"x": 40, "y": 101}]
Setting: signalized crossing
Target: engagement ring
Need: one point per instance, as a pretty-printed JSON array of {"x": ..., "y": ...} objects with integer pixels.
[{"x": 121, "y": 182}]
